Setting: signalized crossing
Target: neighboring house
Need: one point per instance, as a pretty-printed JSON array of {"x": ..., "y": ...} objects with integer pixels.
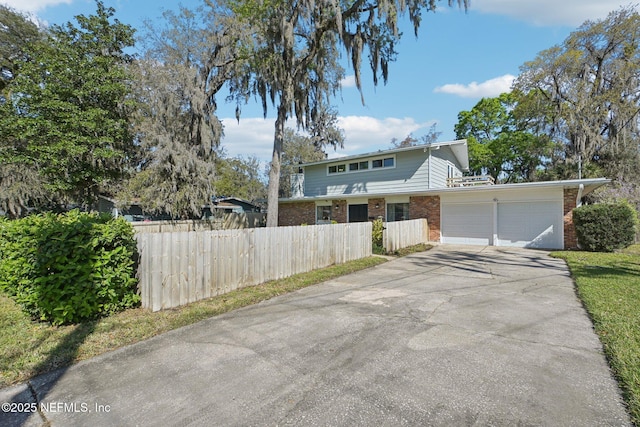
[
  {"x": 229, "y": 205},
  {"x": 426, "y": 182},
  {"x": 132, "y": 213}
]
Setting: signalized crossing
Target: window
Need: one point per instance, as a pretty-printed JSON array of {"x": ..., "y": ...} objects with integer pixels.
[
  {"x": 397, "y": 212},
  {"x": 387, "y": 162},
  {"x": 323, "y": 214},
  {"x": 364, "y": 165},
  {"x": 358, "y": 166},
  {"x": 337, "y": 168},
  {"x": 450, "y": 171}
]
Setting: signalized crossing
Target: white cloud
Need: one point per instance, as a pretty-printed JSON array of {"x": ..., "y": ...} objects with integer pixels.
[
  {"x": 486, "y": 89},
  {"x": 364, "y": 133},
  {"x": 550, "y": 12},
  {"x": 348, "y": 81},
  {"x": 33, "y": 5},
  {"x": 249, "y": 137},
  {"x": 254, "y": 136}
]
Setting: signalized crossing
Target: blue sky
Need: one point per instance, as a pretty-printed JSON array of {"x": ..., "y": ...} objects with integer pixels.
[{"x": 457, "y": 59}]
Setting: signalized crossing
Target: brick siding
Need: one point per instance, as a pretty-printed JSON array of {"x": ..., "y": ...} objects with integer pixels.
[
  {"x": 339, "y": 215},
  {"x": 427, "y": 207},
  {"x": 570, "y": 239},
  {"x": 296, "y": 213},
  {"x": 375, "y": 213}
]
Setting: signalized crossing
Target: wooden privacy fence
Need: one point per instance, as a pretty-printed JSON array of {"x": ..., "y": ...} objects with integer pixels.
[
  {"x": 181, "y": 267},
  {"x": 401, "y": 234},
  {"x": 229, "y": 221}
]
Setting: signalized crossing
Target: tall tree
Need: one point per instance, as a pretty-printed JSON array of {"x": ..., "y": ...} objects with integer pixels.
[
  {"x": 500, "y": 141},
  {"x": 589, "y": 96},
  {"x": 187, "y": 59},
  {"x": 20, "y": 184},
  {"x": 297, "y": 46},
  {"x": 16, "y": 32},
  {"x": 69, "y": 105},
  {"x": 240, "y": 177}
]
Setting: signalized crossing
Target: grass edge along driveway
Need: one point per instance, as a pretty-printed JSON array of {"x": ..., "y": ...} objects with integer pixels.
[{"x": 609, "y": 286}]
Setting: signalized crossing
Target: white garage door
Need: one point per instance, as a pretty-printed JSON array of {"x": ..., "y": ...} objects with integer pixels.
[
  {"x": 521, "y": 224},
  {"x": 467, "y": 223},
  {"x": 530, "y": 224}
]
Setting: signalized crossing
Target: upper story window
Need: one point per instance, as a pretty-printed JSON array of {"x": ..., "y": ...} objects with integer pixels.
[
  {"x": 364, "y": 165},
  {"x": 387, "y": 162},
  {"x": 451, "y": 171},
  {"x": 337, "y": 168},
  {"x": 358, "y": 166}
]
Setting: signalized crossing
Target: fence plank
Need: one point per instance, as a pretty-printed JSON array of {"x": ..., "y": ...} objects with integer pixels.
[{"x": 400, "y": 234}]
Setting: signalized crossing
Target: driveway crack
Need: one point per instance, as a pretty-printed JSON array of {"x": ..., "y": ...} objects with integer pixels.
[{"x": 32, "y": 390}]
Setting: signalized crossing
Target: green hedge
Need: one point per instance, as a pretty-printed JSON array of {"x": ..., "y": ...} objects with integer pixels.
[
  {"x": 69, "y": 268},
  {"x": 605, "y": 227}
]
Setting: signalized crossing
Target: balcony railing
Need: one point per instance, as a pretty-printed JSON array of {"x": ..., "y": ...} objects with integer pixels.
[{"x": 470, "y": 181}]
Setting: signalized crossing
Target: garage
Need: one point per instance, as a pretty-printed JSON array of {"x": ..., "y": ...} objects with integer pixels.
[
  {"x": 467, "y": 223},
  {"x": 529, "y": 218},
  {"x": 530, "y": 225}
]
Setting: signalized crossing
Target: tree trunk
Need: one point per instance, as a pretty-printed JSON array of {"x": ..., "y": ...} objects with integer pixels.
[{"x": 274, "y": 171}]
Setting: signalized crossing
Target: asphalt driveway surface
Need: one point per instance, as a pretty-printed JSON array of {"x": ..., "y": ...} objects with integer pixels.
[{"x": 458, "y": 335}]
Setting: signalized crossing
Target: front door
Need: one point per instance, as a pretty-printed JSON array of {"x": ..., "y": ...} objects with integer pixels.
[{"x": 358, "y": 213}]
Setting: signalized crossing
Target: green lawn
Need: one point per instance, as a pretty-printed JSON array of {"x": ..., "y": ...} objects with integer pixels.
[
  {"x": 609, "y": 286},
  {"x": 29, "y": 348}
]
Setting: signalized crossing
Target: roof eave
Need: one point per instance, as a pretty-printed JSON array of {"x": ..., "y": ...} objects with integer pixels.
[
  {"x": 589, "y": 185},
  {"x": 461, "y": 143}
]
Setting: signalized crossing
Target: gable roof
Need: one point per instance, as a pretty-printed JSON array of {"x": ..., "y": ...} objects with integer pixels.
[{"x": 458, "y": 147}]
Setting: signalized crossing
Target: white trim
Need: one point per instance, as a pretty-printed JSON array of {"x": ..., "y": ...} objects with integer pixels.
[
  {"x": 579, "y": 197},
  {"x": 589, "y": 185},
  {"x": 358, "y": 200},
  {"x": 495, "y": 221},
  {"x": 395, "y": 199}
]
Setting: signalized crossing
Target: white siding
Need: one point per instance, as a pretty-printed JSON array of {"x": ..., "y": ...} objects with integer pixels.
[{"x": 440, "y": 160}]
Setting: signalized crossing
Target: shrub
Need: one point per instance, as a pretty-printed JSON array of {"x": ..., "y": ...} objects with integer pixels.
[
  {"x": 376, "y": 234},
  {"x": 605, "y": 227},
  {"x": 68, "y": 268}
]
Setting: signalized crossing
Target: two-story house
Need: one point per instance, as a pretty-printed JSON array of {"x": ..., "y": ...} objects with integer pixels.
[{"x": 427, "y": 181}]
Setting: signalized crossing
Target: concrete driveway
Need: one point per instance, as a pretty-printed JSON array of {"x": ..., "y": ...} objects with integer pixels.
[{"x": 457, "y": 335}]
